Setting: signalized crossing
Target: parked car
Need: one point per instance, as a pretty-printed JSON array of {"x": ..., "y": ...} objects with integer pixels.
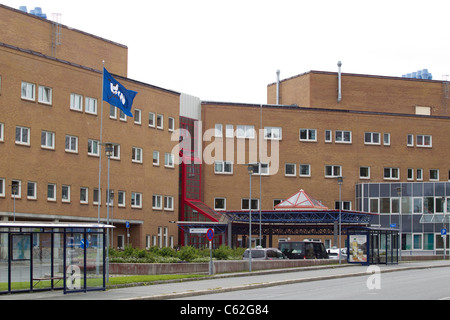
[
  {"x": 264, "y": 254},
  {"x": 303, "y": 250},
  {"x": 333, "y": 253}
]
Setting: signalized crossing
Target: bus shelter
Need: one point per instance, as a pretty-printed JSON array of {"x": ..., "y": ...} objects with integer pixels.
[
  {"x": 52, "y": 256},
  {"x": 369, "y": 246}
]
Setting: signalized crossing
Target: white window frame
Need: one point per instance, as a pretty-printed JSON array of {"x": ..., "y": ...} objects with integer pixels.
[
  {"x": 157, "y": 202},
  {"x": 137, "y": 116},
  {"x": 47, "y": 140},
  {"x": 245, "y": 132},
  {"x": 136, "y": 200},
  {"x": 387, "y": 139},
  {"x": 218, "y": 130},
  {"x": 340, "y": 136},
  {"x": 33, "y": 196},
  {"x": 122, "y": 203},
  {"x": 91, "y": 105},
  {"x": 229, "y": 131},
  {"x": 21, "y": 136},
  {"x": 116, "y": 152},
  {"x": 157, "y": 158},
  {"x": 334, "y": 173},
  {"x": 410, "y": 174},
  {"x": 28, "y": 91},
  {"x": 160, "y": 120},
  {"x": 368, "y": 173},
  {"x": 300, "y": 170},
  {"x": 93, "y": 144},
  {"x": 220, "y": 167},
  {"x": 122, "y": 116},
  {"x": 19, "y": 189},
  {"x": 152, "y": 120},
  {"x": 2, "y": 187},
  {"x": 86, "y": 194},
  {"x": 136, "y": 155},
  {"x": 49, "y": 196},
  {"x": 391, "y": 173},
  {"x": 410, "y": 140},
  {"x": 290, "y": 174},
  {"x": 370, "y": 138},
  {"x": 273, "y": 133},
  {"x": 421, "y": 141},
  {"x": 261, "y": 169},
  {"x": 328, "y": 136},
  {"x": 76, "y": 102},
  {"x": 438, "y": 174},
  {"x": 67, "y": 188},
  {"x": 45, "y": 95},
  {"x": 72, "y": 146},
  {"x": 311, "y": 135},
  {"x": 2, "y": 132},
  {"x": 169, "y": 160},
  {"x": 171, "y": 124},
  {"x": 419, "y": 174},
  {"x": 168, "y": 203},
  {"x": 252, "y": 202},
  {"x": 98, "y": 193},
  {"x": 224, "y": 204},
  {"x": 112, "y": 112}
]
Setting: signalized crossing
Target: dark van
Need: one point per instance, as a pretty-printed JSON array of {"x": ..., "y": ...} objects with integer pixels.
[{"x": 303, "y": 250}]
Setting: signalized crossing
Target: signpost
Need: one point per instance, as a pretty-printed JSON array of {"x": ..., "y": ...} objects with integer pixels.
[
  {"x": 210, "y": 237},
  {"x": 444, "y": 237}
]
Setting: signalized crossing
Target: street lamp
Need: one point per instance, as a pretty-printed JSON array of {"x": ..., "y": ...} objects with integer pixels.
[
  {"x": 340, "y": 180},
  {"x": 250, "y": 169},
  {"x": 109, "y": 149},
  {"x": 14, "y": 189}
]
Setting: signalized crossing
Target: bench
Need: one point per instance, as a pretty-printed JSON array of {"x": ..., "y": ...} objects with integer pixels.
[{"x": 47, "y": 278}]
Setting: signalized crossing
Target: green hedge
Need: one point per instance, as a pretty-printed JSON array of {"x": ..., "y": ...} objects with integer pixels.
[{"x": 169, "y": 255}]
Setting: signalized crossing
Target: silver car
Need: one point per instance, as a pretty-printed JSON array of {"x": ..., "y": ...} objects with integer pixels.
[{"x": 264, "y": 254}]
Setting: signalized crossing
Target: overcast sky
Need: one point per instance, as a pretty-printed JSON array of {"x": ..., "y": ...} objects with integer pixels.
[{"x": 230, "y": 50}]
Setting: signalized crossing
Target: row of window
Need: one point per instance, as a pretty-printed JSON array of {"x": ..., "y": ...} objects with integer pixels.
[
  {"x": 22, "y": 137},
  {"x": 408, "y": 205},
  {"x": 159, "y": 202},
  {"x": 310, "y": 135},
  {"x": 45, "y": 96}
]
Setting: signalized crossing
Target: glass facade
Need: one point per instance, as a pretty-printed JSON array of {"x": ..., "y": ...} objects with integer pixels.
[{"x": 420, "y": 210}]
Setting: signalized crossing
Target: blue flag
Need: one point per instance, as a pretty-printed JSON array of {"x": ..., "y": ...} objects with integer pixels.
[{"x": 116, "y": 94}]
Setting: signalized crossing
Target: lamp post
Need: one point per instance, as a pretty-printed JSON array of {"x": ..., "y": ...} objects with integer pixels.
[
  {"x": 109, "y": 152},
  {"x": 340, "y": 180},
  {"x": 14, "y": 189},
  {"x": 250, "y": 173}
]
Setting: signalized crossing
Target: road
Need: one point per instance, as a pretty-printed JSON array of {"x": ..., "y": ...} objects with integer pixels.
[{"x": 426, "y": 284}]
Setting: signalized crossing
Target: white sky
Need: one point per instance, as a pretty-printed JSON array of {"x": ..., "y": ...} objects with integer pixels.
[{"x": 230, "y": 50}]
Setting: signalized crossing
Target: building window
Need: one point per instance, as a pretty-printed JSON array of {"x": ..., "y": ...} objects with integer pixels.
[
  {"x": 434, "y": 175},
  {"x": 364, "y": 172},
  {"x": 424, "y": 141},
  {"x": 223, "y": 167},
  {"x": 48, "y": 140},
  {"x": 328, "y": 136},
  {"x": 2, "y": 187},
  {"x": 122, "y": 116},
  {"x": 171, "y": 124},
  {"x": 387, "y": 139},
  {"x": 31, "y": 190},
  {"x": 305, "y": 170},
  {"x": 28, "y": 91},
  {"x": 84, "y": 195},
  {"x": 309, "y": 135},
  {"x": 229, "y": 131},
  {"x": 137, "y": 116},
  {"x": 343, "y": 136},
  {"x": 156, "y": 158},
  {"x": 91, "y": 105},
  {"x": 121, "y": 199},
  {"x": 136, "y": 155},
  {"x": 290, "y": 170},
  {"x": 136, "y": 200},
  {"x": 16, "y": 189},
  {"x": 333, "y": 171},
  {"x": 168, "y": 203},
  {"x": 160, "y": 121},
  {"x": 65, "y": 194},
  {"x": 245, "y": 132},
  {"x": 419, "y": 175},
  {"x": 96, "y": 199},
  {"x": 76, "y": 102},
  {"x": 410, "y": 140},
  {"x": 93, "y": 148},
  {"x": 116, "y": 152},
  {"x": 220, "y": 204},
  {"x": 261, "y": 169},
  {"x": 2, "y": 132},
  {"x": 255, "y": 204},
  {"x": 372, "y": 138},
  {"x": 410, "y": 174},
  {"x": 169, "y": 160},
  {"x": 218, "y": 131},
  {"x": 71, "y": 144},
  {"x": 23, "y": 136},
  {"x": 112, "y": 112},
  {"x": 273, "y": 133},
  {"x": 45, "y": 95},
  {"x": 51, "y": 192},
  {"x": 157, "y": 202},
  {"x": 391, "y": 173},
  {"x": 151, "y": 119}
]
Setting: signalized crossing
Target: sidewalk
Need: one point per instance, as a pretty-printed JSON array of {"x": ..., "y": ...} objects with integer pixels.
[{"x": 227, "y": 283}]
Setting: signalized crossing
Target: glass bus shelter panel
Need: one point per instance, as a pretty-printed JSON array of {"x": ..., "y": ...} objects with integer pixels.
[
  {"x": 21, "y": 255},
  {"x": 4, "y": 257},
  {"x": 94, "y": 260},
  {"x": 74, "y": 262}
]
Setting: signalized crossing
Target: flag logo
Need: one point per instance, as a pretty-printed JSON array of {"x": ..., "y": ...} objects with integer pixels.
[{"x": 116, "y": 94}]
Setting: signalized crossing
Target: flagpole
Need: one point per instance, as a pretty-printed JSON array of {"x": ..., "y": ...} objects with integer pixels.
[{"x": 100, "y": 147}]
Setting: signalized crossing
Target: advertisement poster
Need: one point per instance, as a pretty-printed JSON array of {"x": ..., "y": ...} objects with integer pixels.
[
  {"x": 358, "y": 248},
  {"x": 21, "y": 247}
]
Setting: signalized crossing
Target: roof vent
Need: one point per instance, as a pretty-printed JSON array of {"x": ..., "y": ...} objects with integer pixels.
[
  {"x": 421, "y": 74},
  {"x": 36, "y": 12}
]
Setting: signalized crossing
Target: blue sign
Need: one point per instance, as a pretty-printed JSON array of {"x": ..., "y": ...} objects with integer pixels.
[
  {"x": 443, "y": 232},
  {"x": 127, "y": 225},
  {"x": 393, "y": 225},
  {"x": 84, "y": 244},
  {"x": 210, "y": 234}
]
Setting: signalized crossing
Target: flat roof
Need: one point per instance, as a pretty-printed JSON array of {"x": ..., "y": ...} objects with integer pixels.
[{"x": 54, "y": 225}]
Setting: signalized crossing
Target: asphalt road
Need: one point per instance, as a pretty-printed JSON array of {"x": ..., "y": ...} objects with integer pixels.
[{"x": 424, "y": 284}]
